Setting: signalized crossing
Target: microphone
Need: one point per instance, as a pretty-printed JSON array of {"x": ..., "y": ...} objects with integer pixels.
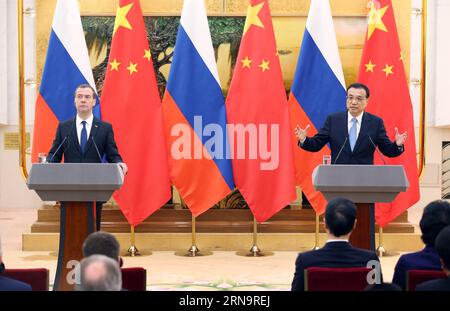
[
  {"x": 378, "y": 151},
  {"x": 96, "y": 149},
  {"x": 57, "y": 149},
  {"x": 340, "y": 150}
]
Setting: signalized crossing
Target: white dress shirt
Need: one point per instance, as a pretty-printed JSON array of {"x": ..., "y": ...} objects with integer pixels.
[
  {"x": 358, "y": 123},
  {"x": 80, "y": 126}
]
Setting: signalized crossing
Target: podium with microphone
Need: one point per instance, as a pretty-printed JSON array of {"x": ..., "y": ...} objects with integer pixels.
[{"x": 364, "y": 185}]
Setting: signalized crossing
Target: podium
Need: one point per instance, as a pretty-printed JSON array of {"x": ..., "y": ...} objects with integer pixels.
[
  {"x": 364, "y": 185},
  {"x": 77, "y": 186}
]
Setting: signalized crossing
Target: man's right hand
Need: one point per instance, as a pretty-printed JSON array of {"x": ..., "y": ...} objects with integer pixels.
[{"x": 301, "y": 133}]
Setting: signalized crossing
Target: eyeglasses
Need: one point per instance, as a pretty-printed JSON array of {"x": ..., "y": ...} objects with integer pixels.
[
  {"x": 81, "y": 96},
  {"x": 358, "y": 99}
]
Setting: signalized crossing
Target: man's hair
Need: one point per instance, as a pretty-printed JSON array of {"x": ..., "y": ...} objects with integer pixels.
[
  {"x": 340, "y": 216},
  {"x": 85, "y": 86},
  {"x": 436, "y": 216},
  {"x": 101, "y": 243},
  {"x": 100, "y": 273},
  {"x": 359, "y": 86},
  {"x": 443, "y": 246}
]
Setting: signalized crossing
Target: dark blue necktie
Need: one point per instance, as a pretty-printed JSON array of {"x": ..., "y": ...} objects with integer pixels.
[{"x": 83, "y": 137}]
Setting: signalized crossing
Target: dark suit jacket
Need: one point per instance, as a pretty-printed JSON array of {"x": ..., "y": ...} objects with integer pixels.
[
  {"x": 435, "y": 285},
  {"x": 7, "y": 284},
  {"x": 101, "y": 132},
  {"x": 332, "y": 255},
  {"x": 335, "y": 132},
  {"x": 426, "y": 259}
]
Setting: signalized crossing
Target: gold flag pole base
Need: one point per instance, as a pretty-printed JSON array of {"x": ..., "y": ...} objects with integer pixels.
[
  {"x": 254, "y": 250},
  {"x": 381, "y": 251},
  {"x": 193, "y": 251},
  {"x": 133, "y": 250}
]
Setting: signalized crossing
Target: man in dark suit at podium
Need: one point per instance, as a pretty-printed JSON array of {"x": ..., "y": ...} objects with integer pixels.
[
  {"x": 353, "y": 136},
  {"x": 340, "y": 220},
  {"x": 85, "y": 139}
]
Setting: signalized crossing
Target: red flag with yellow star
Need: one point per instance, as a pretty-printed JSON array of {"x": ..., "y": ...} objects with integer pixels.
[
  {"x": 130, "y": 101},
  {"x": 258, "y": 119},
  {"x": 383, "y": 71}
]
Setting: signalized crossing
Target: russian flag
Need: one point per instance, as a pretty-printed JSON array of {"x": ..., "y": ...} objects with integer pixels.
[
  {"x": 318, "y": 90},
  {"x": 195, "y": 116},
  {"x": 67, "y": 65}
]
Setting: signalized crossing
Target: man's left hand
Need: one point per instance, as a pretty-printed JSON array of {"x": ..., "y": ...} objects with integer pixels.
[
  {"x": 124, "y": 167},
  {"x": 400, "y": 139}
]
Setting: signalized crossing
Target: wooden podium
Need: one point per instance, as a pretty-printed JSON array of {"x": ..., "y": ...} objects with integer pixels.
[
  {"x": 364, "y": 185},
  {"x": 77, "y": 186}
]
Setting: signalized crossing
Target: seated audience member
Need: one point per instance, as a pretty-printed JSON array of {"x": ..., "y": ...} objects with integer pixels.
[
  {"x": 8, "y": 284},
  {"x": 102, "y": 243},
  {"x": 442, "y": 245},
  {"x": 99, "y": 273},
  {"x": 383, "y": 287},
  {"x": 436, "y": 216},
  {"x": 340, "y": 220}
]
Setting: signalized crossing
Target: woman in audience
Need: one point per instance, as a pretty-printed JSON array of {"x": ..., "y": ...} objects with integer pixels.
[{"x": 436, "y": 216}]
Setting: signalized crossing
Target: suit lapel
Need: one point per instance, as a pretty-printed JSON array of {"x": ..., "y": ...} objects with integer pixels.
[
  {"x": 363, "y": 131},
  {"x": 94, "y": 128},
  {"x": 74, "y": 136}
]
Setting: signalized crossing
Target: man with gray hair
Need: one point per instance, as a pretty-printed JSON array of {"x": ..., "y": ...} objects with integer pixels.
[
  {"x": 7, "y": 284},
  {"x": 100, "y": 273}
]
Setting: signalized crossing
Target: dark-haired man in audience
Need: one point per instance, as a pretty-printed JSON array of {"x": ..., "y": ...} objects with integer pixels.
[
  {"x": 340, "y": 220},
  {"x": 442, "y": 245},
  {"x": 102, "y": 243},
  {"x": 436, "y": 216}
]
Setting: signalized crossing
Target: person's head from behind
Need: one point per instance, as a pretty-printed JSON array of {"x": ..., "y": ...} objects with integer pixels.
[
  {"x": 340, "y": 217},
  {"x": 357, "y": 98},
  {"x": 2, "y": 266},
  {"x": 102, "y": 243},
  {"x": 100, "y": 273},
  {"x": 436, "y": 216},
  {"x": 442, "y": 245}
]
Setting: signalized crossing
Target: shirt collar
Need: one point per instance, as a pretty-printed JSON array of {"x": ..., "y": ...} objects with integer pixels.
[
  {"x": 358, "y": 118},
  {"x": 88, "y": 120},
  {"x": 337, "y": 240}
]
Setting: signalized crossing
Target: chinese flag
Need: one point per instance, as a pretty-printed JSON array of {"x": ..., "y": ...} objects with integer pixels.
[
  {"x": 130, "y": 101},
  {"x": 257, "y": 102},
  {"x": 382, "y": 70}
]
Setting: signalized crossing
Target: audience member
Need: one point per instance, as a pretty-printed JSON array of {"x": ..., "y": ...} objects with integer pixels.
[
  {"x": 102, "y": 243},
  {"x": 340, "y": 220},
  {"x": 100, "y": 273},
  {"x": 442, "y": 245},
  {"x": 8, "y": 284},
  {"x": 436, "y": 216}
]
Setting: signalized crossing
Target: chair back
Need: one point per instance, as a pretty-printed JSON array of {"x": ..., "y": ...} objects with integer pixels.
[
  {"x": 37, "y": 277},
  {"x": 415, "y": 277},
  {"x": 134, "y": 279},
  {"x": 336, "y": 279}
]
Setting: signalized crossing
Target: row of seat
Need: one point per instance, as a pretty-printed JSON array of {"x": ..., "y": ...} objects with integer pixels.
[
  {"x": 355, "y": 279},
  {"x": 316, "y": 279},
  {"x": 133, "y": 279}
]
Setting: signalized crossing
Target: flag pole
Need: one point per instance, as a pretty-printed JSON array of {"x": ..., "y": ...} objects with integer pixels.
[
  {"x": 316, "y": 235},
  {"x": 254, "y": 250},
  {"x": 381, "y": 251},
  {"x": 193, "y": 251},
  {"x": 132, "y": 250}
]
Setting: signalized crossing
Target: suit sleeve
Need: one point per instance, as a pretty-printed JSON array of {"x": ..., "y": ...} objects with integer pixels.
[
  {"x": 299, "y": 278},
  {"x": 387, "y": 147},
  {"x": 111, "y": 151},
  {"x": 399, "y": 277},
  {"x": 314, "y": 144},
  {"x": 56, "y": 157}
]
